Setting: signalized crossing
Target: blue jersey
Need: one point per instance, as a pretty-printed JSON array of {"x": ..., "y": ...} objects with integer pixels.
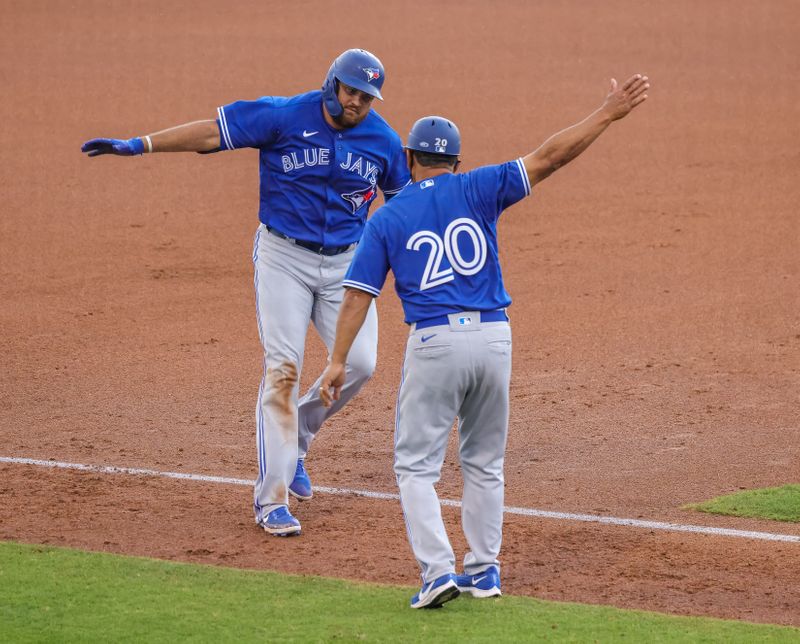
[
  {"x": 439, "y": 237},
  {"x": 317, "y": 182}
]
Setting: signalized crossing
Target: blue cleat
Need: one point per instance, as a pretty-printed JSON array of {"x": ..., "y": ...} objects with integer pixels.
[
  {"x": 434, "y": 594},
  {"x": 280, "y": 522},
  {"x": 482, "y": 584},
  {"x": 301, "y": 484}
]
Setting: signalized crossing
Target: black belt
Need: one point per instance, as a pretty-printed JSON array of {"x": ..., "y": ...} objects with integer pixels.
[
  {"x": 498, "y": 315},
  {"x": 314, "y": 248}
]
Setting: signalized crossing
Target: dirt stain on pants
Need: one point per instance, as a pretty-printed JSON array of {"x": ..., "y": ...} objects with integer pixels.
[{"x": 279, "y": 407}]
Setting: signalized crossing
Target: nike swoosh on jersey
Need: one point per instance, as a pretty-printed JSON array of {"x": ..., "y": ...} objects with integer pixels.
[
  {"x": 425, "y": 338},
  {"x": 306, "y": 133}
]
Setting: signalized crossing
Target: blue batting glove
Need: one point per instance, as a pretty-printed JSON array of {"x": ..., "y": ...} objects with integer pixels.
[{"x": 119, "y": 147}]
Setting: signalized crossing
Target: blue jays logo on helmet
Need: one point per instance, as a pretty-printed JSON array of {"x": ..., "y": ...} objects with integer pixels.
[
  {"x": 372, "y": 73},
  {"x": 435, "y": 135},
  {"x": 357, "y": 68}
]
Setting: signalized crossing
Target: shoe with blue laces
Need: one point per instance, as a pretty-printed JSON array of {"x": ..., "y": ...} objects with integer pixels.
[
  {"x": 482, "y": 584},
  {"x": 301, "y": 484},
  {"x": 280, "y": 522},
  {"x": 434, "y": 594}
]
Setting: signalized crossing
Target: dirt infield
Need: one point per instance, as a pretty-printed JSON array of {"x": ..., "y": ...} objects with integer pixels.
[{"x": 656, "y": 309}]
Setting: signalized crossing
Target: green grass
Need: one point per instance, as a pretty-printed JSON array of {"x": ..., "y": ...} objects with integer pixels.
[
  {"x": 777, "y": 503},
  {"x": 53, "y": 594}
]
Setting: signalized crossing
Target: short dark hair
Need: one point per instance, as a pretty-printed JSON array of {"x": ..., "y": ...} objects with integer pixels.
[{"x": 432, "y": 160}]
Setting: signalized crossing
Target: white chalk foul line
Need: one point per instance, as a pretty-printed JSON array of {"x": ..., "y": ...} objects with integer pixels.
[{"x": 527, "y": 512}]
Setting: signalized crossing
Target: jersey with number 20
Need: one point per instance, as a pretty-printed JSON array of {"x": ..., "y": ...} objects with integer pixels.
[{"x": 439, "y": 237}]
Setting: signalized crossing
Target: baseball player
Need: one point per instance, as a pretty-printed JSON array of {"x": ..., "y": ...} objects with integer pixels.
[
  {"x": 323, "y": 156},
  {"x": 439, "y": 238}
]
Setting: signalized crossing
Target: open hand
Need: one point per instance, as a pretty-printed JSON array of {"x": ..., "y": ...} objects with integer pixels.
[
  {"x": 621, "y": 100},
  {"x": 119, "y": 147}
]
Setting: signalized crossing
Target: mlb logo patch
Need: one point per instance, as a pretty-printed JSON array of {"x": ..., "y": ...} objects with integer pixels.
[{"x": 465, "y": 321}]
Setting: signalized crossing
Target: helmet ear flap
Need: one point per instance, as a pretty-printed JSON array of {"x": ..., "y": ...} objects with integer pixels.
[{"x": 330, "y": 91}]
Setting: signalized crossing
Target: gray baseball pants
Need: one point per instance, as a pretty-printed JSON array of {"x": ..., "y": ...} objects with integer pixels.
[
  {"x": 464, "y": 372},
  {"x": 295, "y": 286}
]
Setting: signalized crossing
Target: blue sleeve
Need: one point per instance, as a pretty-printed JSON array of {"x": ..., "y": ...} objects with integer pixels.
[
  {"x": 397, "y": 175},
  {"x": 247, "y": 124},
  {"x": 496, "y": 187},
  {"x": 370, "y": 264}
]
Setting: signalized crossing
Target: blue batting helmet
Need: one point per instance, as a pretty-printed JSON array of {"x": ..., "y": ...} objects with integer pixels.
[
  {"x": 357, "y": 68},
  {"x": 435, "y": 135}
]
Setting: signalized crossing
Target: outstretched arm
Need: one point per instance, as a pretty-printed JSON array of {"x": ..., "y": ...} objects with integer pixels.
[
  {"x": 564, "y": 146},
  {"x": 351, "y": 318},
  {"x": 198, "y": 136}
]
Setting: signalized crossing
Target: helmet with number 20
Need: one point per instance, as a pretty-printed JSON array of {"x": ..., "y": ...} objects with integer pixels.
[{"x": 435, "y": 135}]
